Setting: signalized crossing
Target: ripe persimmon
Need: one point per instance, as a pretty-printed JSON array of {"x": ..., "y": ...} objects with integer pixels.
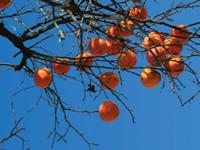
[
  {"x": 182, "y": 33},
  {"x": 127, "y": 27},
  {"x": 84, "y": 61},
  {"x": 60, "y": 68},
  {"x": 108, "y": 111},
  {"x": 114, "y": 47},
  {"x": 43, "y": 77},
  {"x": 138, "y": 12},
  {"x": 153, "y": 39},
  {"x": 150, "y": 78},
  {"x": 109, "y": 80},
  {"x": 173, "y": 46},
  {"x": 97, "y": 46},
  {"x": 5, "y": 3},
  {"x": 127, "y": 59},
  {"x": 156, "y": 56},
  {"x": 113, "y": 30},
  {"x": 174, "y": 65}
]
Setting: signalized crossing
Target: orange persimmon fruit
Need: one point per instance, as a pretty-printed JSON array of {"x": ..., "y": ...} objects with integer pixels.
[
  {"x": 43, "y": 77},
  {"x": 156, "y": 56},
  {"x": 109, "y": 80},
  {"x": 127, "y": 27},
  {"x": 5, "y": 3},
  {"x": 174, "y": 65},
  {"x": 84, "y": 61},
  {"x": 153, "y": 39},
  {"x": 113, "y": 30},
  {"x": 127, "y": 59},
  {"x": 138, "y": 12},
  {"x": 173, "y": 46},
  {"x": 60, "y": 68},
  {"x": 114, "y": 47},
  {"x": 182, "y": 33},
  {"x": 150, "y": 78},
  {"x": 97, "y": 46},
  {"x": 108, "y": 111}
]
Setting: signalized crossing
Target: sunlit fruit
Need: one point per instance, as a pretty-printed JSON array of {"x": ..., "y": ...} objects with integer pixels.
[
  {"x": 173, "y": 46},
  {"x": 153, "y": 39},
  {"x": 109, "y": 80},
  {"x": 150, "y": 78},
  {"x": 113, "y": 30},
  {"x": 97, "y": 46},
  {"x": 174, "y": 65},
  {"x": 84, "y": 61},
  {"x": 114, "y": 47},
  {"x": 108, "y": 111},
  {"x": 60, "y": 67},
  {"x": 182, "y": 33},
  {"x": 156, "y": 56},
  {"x": 43, "y": 78},
  {"x": 124, "y": 29},
  {"x": 127, "y": 28},
  {"x": 127, "y": 59},
  {"x": 138, "y": 12},
  {"x": 5, "y": 3}
]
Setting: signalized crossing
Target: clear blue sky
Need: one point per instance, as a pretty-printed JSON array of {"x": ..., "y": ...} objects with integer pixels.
[{"x": 161, "y": 124}]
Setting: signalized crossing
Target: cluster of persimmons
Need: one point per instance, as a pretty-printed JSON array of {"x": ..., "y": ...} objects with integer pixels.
[{"x": 161, "y": 51}]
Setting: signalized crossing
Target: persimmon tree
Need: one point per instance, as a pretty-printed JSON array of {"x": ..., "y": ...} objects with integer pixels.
[{"x": 105, "y": 39}]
